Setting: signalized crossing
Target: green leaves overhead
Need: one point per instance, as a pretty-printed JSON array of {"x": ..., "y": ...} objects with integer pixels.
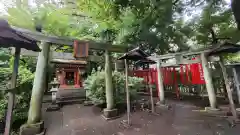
[
  {"x": 215, "y": 21},
  {"x": 159, "y": 26}
]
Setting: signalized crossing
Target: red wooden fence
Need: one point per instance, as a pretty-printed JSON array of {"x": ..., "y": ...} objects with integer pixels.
[{"x": 186, "y": 75}]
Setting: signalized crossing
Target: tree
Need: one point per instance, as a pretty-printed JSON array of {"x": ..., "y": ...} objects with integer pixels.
[
  {"x": 157, "y": 26},
  {"x": 236, "y": 11},
  {"x": 217, "y": 21}
]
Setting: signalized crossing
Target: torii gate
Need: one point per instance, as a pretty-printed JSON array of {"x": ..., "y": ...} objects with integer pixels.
[
  {"x": 34, "y": 116},
  {"x": 179, "y": 59},
  {"x": 204, "y": 58}
]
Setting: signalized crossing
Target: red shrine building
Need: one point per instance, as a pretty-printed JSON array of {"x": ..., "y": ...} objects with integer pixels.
[
  {"x": 68, "y": 72},
  {"x": 68, "y": 69}
]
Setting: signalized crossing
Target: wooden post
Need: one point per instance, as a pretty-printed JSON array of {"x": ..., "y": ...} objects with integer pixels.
[
  {"x": 151, "y": 93},
  {"x": 230, "y": 98},
  {"x": 34, "y": 115},
  {"x": 160, "y": 83},
  {"x": 209, "y": 83},
  {"x": 108, "y": 81},
  {"x": 63, "y": 78},
  {"x": 236, "y": 82},
  {"x": 78, "y": 77},
  {"x": 127, "y": 91},
  {"x": 11, "y": 94},
  {"x": 116, "y": 66}
]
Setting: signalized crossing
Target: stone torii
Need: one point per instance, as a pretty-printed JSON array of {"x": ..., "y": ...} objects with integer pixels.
[{"x": 35, "y": 122}]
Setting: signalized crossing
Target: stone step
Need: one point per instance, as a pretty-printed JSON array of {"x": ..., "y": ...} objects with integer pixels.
[
  {"x": 69, "y": 102},
  {"x": 71, "y": 93},
  {"x": 71, "y": 98}
]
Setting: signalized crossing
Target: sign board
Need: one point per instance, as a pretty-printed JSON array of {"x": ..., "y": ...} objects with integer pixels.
[{"x": 80, "y": 50}]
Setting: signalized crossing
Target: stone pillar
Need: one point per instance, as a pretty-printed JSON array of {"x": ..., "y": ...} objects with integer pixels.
[
  {"x": 226, "y": 81},
  {"x": 160, "y": 84},
  {"x": 34, "y": 114},
  {"x": 237, "y": 84},
  {"x": 209, "y": 84},
  {"x": 109, "y": 112}
]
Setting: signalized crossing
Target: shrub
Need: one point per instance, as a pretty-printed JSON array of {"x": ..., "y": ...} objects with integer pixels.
[
  {"x": 23, "y": 93},
  {"x": 95, "y": 87}
]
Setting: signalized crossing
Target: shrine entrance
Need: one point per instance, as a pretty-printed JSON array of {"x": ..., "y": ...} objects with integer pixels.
[{"x": 70, "y": 77}]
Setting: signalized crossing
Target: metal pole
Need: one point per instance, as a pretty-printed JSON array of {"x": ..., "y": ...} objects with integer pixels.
[
  {"x": 11, "y": 94},
  {"x": 151, "y": 93},
  {"x": 127, "y": 91}
]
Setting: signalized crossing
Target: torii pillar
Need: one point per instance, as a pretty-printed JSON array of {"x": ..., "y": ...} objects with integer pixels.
[
  {"x": 109, "y": 112},
  {"x": 160, "y": 84},
  {"x": 35, "y": 124},
  {"x": 209, "y": 84}
]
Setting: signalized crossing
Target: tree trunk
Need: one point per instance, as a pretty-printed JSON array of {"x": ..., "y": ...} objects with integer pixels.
[{"x": 34, "y": 114}]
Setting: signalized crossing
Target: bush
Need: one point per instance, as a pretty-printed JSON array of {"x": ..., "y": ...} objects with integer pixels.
[
  {"x": 95, "y": 87},
  {"x": 23, "y": 94}
]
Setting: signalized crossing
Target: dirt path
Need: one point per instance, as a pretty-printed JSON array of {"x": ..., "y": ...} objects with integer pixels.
[{"x": 180, "y": 120}]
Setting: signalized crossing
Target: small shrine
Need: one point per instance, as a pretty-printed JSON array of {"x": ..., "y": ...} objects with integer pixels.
[{"x": 68, "y": 70}]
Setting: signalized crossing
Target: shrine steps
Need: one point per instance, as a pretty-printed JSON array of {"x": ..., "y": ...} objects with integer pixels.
[{"x": 71, "y": 96}]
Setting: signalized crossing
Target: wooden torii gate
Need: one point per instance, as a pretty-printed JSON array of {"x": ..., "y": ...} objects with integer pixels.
[{"x": 34, "y": 115}]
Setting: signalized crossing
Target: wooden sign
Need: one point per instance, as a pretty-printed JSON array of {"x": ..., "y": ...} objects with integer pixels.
[{"x": 80, "y": 50}]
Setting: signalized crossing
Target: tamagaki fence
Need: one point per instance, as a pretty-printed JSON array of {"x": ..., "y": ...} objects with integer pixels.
[{"x": 177, "y": 79}]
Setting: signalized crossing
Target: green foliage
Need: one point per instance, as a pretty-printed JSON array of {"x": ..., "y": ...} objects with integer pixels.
[
  {"x": 158, "y": 26},
  {"x": 4, "y": 57},
  {"x": 215, "y": 21},
  {"x": 23, "y": 89},
  {"x": 23, "y": 92},
  {"x": 95, "y": 87}
]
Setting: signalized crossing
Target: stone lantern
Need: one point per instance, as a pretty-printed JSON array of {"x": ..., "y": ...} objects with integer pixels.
[{"x": 55, "y": 86}]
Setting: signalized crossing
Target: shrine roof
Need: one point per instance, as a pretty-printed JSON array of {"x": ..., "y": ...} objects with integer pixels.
[
  {"x": 135, "y": 55},
  {"x": 225, "y": 47},
  {"x": 233, "y": 64}
]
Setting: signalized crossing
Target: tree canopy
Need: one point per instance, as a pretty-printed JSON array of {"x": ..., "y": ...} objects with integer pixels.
[{"x": 159, "y": 26}]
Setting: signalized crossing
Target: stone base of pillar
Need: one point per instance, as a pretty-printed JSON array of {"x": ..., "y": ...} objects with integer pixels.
[
  {"x": 162, "y": 105},
  {"x": 32, "y": 129},
  {"x": 238, "y": 110},
  {"x": 212, "y": 110},
  {"x": 53, "y": 107},
  {"x": 110, "y": 114}
]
